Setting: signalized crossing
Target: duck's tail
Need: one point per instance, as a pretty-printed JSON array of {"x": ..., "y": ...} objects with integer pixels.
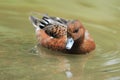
[{"x": 35, "y": 22}]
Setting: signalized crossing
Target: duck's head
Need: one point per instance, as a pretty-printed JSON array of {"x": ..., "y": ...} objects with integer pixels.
[{"x": 75, "y": 29}]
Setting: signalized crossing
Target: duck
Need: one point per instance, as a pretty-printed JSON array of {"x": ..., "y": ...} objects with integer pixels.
[{"x": 59, "y": 34}]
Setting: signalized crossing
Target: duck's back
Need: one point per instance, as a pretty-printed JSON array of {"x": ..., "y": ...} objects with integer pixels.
[{"x": 56, "y": 30}]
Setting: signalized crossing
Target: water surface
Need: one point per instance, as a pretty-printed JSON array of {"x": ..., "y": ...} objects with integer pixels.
[{"x": 17, "y": 39}]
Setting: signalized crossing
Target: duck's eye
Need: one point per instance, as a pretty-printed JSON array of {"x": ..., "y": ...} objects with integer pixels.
[{"x": 76, "y": 30}]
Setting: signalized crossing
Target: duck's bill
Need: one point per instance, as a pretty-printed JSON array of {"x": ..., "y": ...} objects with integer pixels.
[{"x": 70, "y": 43}]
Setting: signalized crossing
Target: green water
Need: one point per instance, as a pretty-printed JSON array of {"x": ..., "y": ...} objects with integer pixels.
[{"x": 17, "y": 39}]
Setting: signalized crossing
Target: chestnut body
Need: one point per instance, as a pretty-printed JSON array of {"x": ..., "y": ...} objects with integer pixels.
[
  {"x": 50, "y": 42},
  {"x": 52, "y": 35}
]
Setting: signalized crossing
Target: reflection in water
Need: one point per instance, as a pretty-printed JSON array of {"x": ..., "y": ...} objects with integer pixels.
[
  {"x": 114, "y": 78},
  {"x": 68, "y": 70},
  {"x": 34, "y": 50},
  {"x": 112, "y": 62},
  {"x": 68, "y": 74},
  {"x": 63, "y": 65}
]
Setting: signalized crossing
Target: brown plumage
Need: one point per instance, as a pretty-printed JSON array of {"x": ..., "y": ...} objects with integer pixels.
[
  {"x": 54, "y": 35},
  {"x": 56, "y": 30},
  {"x": 50, "y": 42}
]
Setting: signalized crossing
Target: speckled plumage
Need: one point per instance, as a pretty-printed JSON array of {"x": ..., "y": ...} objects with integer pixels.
[
  {"x": 53, "y": 26},
  {"x": 56, "y": 30}
]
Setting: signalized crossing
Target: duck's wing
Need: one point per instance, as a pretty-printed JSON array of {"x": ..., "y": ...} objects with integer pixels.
[
  {"x": 56, "y": 30},
  {"x": 54, "y": 20},
  {"x": 59, "y": 20},
  {"x": 47, "y": 20}
]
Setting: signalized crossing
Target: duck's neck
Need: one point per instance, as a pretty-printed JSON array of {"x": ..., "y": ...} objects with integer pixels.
[{"x": 78, "y": 42}]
